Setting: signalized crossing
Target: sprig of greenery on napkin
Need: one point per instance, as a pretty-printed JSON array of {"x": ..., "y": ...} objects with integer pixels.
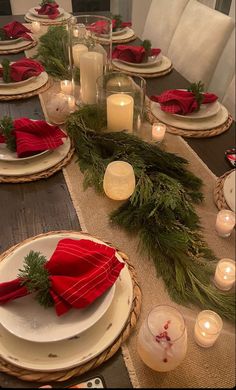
[
  {"x": 6, "y": 127},
  {"x": 197, "y": 89}
]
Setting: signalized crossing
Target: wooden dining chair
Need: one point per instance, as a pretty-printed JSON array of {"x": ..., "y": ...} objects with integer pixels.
[
  {"x": 198, "y": 41},
  {"x": 162, "y": 19},
  {"x": 229, "y": 98},
  {"x": 20, "y": 7}
]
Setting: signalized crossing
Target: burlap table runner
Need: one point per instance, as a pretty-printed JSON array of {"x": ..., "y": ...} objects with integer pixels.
[{"x": 202, "y": 368}]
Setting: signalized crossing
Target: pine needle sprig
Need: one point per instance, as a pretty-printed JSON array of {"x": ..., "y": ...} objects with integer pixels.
[
  {"x": 197, "y": 89},
  {"x": 6, "y": 70},
  {"x": 36, "y": 278},
  {"x": 44, "y": 2},
  {"x": 3, "y": 35},
  {"x": 7, "y": 130}
]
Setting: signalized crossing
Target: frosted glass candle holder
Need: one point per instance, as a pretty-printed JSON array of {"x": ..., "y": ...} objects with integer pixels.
[
  {"x": 158, "y": 131},
  {"x": 58, "y": 107},
  {"x": 35, "y": 27},
  {"x": 225, "y": 274},
  {"x": 207, "y": 328},
  {"x": 225, "y": 222},
  {"x": 119, "y": 180}
]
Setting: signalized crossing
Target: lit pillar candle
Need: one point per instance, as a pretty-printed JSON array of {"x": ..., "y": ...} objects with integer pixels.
[
  {"x": 225, "y": 274},
  {"x": 77, "y": 50},
  {"x": 207, "y": 328},
  {"x": 119, "y": 180},
  {"x": 225, "y": 222},
  {"x": 120, "y": 112},
  {"x": 35, "y": 27},
  {"x": 91, "y": 67},
  {"x": 158, "y": 131},
  {"x": 66, "y": 86}
]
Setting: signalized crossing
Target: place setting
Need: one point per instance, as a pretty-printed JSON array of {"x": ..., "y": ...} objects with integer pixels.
[
  {"x": 48, "y": 12},
  {"x": 190, "y": 112},
  {"x": 79, "y": 327},
  {"x": 121, "y": 31},
  {"x": 15, "y": 37},
  {"x": 31, "y": 150},
  {"x": 21, "y": 79},
  {"x": 142, "y": 60}
]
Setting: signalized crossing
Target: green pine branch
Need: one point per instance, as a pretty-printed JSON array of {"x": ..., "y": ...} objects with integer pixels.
[
  {"x": 197, "y": 89},
  {"x": 3, "y": 35},
  {"x": 7, "y": 130},
  {"x": 6, "y": 73}
]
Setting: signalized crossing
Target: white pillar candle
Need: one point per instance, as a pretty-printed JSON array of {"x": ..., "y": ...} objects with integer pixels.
[
  {"x": 225, "y": 222},
  {"x": 119, "y": 180},
  {"x": 120, "y": 111},
  {"x": 225, "y": 274},
  {"x": 35, "y": 27},
  {"x": 207, "y": 328},
  {"x": 77, "y": 50},
  {"x": 158, "y": 131},
  {"x": 91, "y": 67},
  {"x": 66, "y": 86}
]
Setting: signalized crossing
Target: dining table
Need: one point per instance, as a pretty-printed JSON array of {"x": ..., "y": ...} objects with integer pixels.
[{"x": 29, "y": 209}]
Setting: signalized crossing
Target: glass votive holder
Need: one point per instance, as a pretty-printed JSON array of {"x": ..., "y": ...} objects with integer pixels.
[
  {"x": 35, "y": 27},
  {"x": 162, "y": 339},
  {"x": 158, "y": 131},
  {"x": 207, "y": 328},
  {"x": 119, "y": 180},
  {"x": 58, "y": 107},
  {"x": 225, "y": 274},
  {"x": 225, "y": 222},
  {"x": 66, "y": 87}
]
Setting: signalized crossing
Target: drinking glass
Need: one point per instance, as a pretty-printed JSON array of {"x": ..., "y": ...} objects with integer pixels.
[{"x": 162, "y": 339}]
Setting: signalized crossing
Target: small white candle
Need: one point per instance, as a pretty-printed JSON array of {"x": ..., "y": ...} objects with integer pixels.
[
  {"x": 225, "y": 222},
  {"x": 225, "y": 274},
  {"x": 35, "y": 27},
  {"x": 158, "y": 131},
  {"x": 71, "y": 103},
  {"x": 77, "y": 50},
  {"x": 91, "y": 67},
  {"x": 66, "y": 86},
  {"x": 207, "y": 328},
  {"x": 119, "y": 180},
  {"x": 120, "y": 111}
]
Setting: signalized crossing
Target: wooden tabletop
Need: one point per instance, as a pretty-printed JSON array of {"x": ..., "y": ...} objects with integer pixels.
[{"x": 32, "y": 208}]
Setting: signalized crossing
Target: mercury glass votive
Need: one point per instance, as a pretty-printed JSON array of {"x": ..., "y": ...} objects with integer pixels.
[
  {"x": 225, "y": 274},
  {"x": 207, "y": 328},
  {"x": 119, "y": 180},
  {"x": 158, "y": 131},
  {"x": 225, "y": 222},
  {"x": 35, "y": 27}
]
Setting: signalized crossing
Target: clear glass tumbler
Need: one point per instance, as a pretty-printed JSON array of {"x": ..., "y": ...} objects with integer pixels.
[{"x": 162, "y": 339}]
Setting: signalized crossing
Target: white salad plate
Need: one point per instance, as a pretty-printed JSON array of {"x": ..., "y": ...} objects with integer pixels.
[
  {"x": 11, "y": 41},
  {"x": 152, "y": 61},
  {"x": 7, "y": 155},
  {"x": 17, "y": 83},
  {"x": 35, "y": 13}
]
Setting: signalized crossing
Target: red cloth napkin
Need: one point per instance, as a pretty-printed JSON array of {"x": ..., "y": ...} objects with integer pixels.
[
  {"x": 181, "y": 102},
  {"x": 17, "y": 30},
  {"x": 33, "y": 137},
  {"x": 123, "y": 24},
  {"x": 50, "y": 9},
  {"x": 134, "y": 54},
  {"x": 80, "y": 271},
  {"x": 24, "y": 69}
]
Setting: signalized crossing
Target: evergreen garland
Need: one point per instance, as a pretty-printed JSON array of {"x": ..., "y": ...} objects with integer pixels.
[{"x": 160, "y": 210}]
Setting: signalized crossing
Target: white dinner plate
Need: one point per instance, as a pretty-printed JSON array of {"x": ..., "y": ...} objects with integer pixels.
[
  {"x": 35, "y": 13},
  {"x": 28, "y": 320},
  {"x": 17, "y": 83},
  {"x": 11, "y": 41},
  {"x": 31, "y": 85},
  {"x": 229, "y": 190},
  {"x": 8, "y": 155},
  {"x": 152, "y": 61},
  {"x": 119, "y": 31}
]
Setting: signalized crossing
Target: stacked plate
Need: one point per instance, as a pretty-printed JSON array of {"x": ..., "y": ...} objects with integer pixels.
[
  {"x": 31, "y": 335},
  {"x": 15, "y": 45},
  {"x": 32, "y": 15},
  {"x": 229, "y": 190}
]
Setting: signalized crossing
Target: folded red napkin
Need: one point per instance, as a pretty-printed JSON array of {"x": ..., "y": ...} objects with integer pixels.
[
  {"x": 17, "y": 30},
  {"x": 33, "y": 137},
  {"x": 79, "y": 272},
  {"x": 24, "y": 69},
  {"x": 49, "y": 9},
  {"x": 181, "y": 102},
  {"x": 134, "y": 54},
  {"x": 123, "y": 24}
]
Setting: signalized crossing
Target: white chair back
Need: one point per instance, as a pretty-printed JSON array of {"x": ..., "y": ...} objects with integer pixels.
[
  {"x": 20, "y": 7},
  {"x": 198, "y": 41},
  {"x": 229, "y": 98},
  {"x": 162, "y": 19},
  {"x": 140, "y": 10}
]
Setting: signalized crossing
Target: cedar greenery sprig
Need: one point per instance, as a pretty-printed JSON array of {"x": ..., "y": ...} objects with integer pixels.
[
  {"x": 6, "y": 129},
  {"x": 44, "y": 2},
  {"x": 36, "y": 278},
  {"x": 3, "y": 35},
  {"x": 160, "y": 211},
  {"x": 6, "y": 73},
  {"x": 118, "y": 21},
  {"x": 197, "y": 89}
]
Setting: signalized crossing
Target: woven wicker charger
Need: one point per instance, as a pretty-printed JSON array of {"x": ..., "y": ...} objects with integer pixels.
[
  {"x": 190, "y": 133},
  {"x": 28, "y": 375},
  {"x": 27, "y": 94},
  {"x": 11, "y": 51},
  {"x": 219, "y": 191}
]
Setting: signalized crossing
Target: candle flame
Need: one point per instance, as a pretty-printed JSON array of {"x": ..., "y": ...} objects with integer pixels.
[{"x": 207, "y": 325}]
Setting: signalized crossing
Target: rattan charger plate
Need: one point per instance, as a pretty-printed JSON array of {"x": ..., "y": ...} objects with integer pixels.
[
  {"x": 19, "y": 49},
  {"x": 26, "y": 95},
  {"x": 219, "y": 191},
  {"x": 62, "y": 375},
  {"x": 190, "y": 133}
]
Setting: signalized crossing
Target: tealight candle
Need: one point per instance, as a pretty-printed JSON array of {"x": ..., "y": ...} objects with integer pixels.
[
  {"x": 71, "y": 102},
  {"x": 35, "y": 27},
  {"x": 225, "y": 274},
  {"x": 225, "y": 222},
  {"x": 66, "y": 86},
  {"x": 158, "y": 131},
  {"x": 77, "y": 50},
  {"x": 207, "y": 328},
  {"x": 120, "y": 111},
  {"x": 119, "y": 180}
]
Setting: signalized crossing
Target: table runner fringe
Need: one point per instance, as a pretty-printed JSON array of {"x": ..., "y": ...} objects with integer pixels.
[{"x": 130, "y": 367}]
